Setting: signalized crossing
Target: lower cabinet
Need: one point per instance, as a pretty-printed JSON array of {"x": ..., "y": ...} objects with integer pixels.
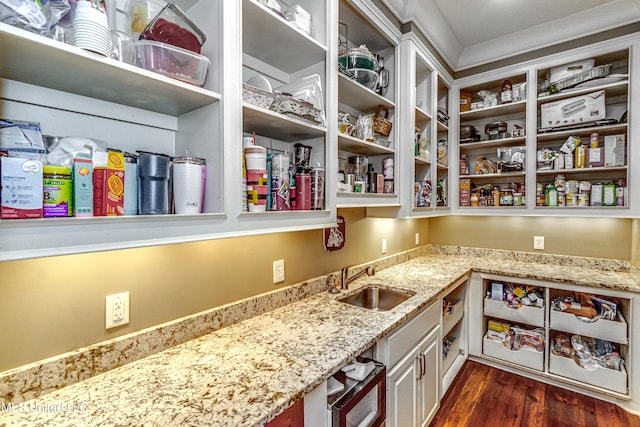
[
  {"x": 413, "y": 379},
  {"x": 573, "y": 336}
]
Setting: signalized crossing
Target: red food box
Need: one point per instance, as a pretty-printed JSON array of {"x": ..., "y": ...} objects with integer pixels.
[{"x": 108, "y": 186}]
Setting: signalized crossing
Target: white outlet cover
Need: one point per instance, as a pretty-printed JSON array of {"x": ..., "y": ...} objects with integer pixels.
[
  {"x": 384, "y": 246},
  {"x": 117, "y": 310},
  {"x": 278, "y": 271},
  {"x": 538, "y": 242}
]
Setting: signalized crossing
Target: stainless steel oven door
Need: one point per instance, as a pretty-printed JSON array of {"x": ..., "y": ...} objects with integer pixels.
[{"x": 361, "y": 403}]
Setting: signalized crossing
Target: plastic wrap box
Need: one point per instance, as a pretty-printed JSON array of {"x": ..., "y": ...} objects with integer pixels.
[{"x": 574, "y": 111}]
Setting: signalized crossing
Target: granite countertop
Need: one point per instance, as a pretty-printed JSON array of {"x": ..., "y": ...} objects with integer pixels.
[{"x": 247, "y": 373}]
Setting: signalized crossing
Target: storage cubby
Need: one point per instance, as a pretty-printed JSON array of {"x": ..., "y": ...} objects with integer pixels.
[
  {"x": 131, "y": 109},
  {"x": 454, "y": 332},
  {"x": 603, "y": 91},
  {"x": 595, "y": 374},
  {"x": 492, "y": 144},
  {"x": 361, "y": 30},
  {"x": 561, "y": 313}
]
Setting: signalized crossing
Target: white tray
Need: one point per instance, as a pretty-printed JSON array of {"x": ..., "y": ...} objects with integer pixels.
[
  {"x": 526, "y": 314},
  {"x": 449, "y": 320},
  {"x": 523, "y": 357},
  {"x": 611, "y": 330},
  {"x": 454, "y": 351},
  {"x": 602, "y": 377}
]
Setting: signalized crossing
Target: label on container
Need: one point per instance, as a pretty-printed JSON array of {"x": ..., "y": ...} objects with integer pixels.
[
  {"x": 57, "y": 197},
  {"x": 21, "y": 183}
]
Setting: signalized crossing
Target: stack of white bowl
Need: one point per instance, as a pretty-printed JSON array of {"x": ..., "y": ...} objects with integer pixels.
[{"x": 91, "y": 28}]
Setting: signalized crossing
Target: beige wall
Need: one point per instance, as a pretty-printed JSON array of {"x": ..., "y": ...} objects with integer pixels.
[
  {"x": 591, "y": 237},
  {"x": 54, "y": 305}
]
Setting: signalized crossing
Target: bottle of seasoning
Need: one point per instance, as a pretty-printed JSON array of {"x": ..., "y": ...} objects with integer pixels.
[
  {"x": 496, "y": 196},
  {"x": 506, "y": 95},
  {"x": 464, "y": 168}
]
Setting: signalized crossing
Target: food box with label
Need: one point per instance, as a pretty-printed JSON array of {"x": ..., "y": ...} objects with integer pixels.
[
  {"x": 108, "y": 185},
  {"x": 614, "y": 150},
  {"x": 574, "y": 111},
  {"x": 21, "y": 183}
]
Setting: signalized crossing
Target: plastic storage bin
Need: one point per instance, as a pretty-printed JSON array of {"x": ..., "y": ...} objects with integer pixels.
[{"x": 171, "y": 61}]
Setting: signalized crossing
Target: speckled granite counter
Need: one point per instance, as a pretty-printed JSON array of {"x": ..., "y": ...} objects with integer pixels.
[{"x": 247, "y": 373}]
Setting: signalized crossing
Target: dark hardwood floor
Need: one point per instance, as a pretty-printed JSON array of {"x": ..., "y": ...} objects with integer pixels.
[{"x": 485, "y": 396}]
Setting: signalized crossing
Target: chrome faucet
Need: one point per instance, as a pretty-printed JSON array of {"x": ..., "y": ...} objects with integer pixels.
[{"x": 369, "y": 271}]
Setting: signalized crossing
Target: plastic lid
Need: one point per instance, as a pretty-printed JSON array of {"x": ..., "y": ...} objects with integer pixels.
[
  {"x": 56, "y": 170},
  {"x": 188, "y": 159}
]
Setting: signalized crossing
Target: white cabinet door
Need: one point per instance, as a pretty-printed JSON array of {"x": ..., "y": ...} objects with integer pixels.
[
  {"x": 402, "y": 393},
  {"x": 429, "y": 382}
]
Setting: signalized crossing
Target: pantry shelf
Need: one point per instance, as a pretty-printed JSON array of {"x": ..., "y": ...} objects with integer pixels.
[
  {"x": 612, "y": 89},
  {"x": 359, "y": 97},
  {"x": 84, "y": 73},
  {"x": 271, "y": 124},
  {"x": 602, "y": 130},
  {"x": 285, "y": 47},
  {"x": 498, "y": 110},
  {"x": 360, "y": 146}
]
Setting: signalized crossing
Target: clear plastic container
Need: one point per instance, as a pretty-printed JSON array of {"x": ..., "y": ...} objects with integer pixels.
[
  {"x": 138, "y": 13},
  {"x": 172, "y": 26},
  {"x": 171, "y": 61}
]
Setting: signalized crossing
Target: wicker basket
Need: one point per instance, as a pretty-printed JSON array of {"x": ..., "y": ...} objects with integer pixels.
[
  {"x": 256, "y": 96},
  {"x": 381, "y": 124}
]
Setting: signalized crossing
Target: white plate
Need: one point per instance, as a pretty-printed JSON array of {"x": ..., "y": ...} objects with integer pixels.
[{"x": 260, "y": 82}]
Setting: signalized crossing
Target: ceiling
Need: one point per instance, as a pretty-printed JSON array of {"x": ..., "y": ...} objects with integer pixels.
[{"x": 468, "y": 33}]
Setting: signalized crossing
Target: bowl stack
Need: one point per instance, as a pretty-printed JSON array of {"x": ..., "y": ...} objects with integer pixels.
[{"x": 361, "y": 65}]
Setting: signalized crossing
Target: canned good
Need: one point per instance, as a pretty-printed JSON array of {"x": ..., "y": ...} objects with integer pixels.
[
  {"x": 551, "y": 195},
  {"x": 571, "y": 187},
  {"x": 506, "y": 198},
  {"x": 619, "y": 196},
  {"x": 582, "y": 200},
  {"x": 517, "y": 199},
  {"x": 57, "y": 191},
  {"x": 584, "y": 187},
  {"x": 387, "y": 168},
  {"x": 570, "y": 199},
  {"x": 559, "y": 183}
]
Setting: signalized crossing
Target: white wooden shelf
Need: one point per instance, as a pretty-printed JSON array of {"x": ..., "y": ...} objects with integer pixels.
[
  {"x": 360, "y": 146},
  {"x": 359, "y": 97},
  {"x": 275, "y": 125},
  {"x": 275, "y": 41},
  {"x": 74, "y": 70}
]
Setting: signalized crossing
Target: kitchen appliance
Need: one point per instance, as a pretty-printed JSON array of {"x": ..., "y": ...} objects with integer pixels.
[{"x": 358, "y": 403}]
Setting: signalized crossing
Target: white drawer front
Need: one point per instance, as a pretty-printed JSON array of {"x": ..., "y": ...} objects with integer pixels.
[
  {"x": 528, "y": 315},
  {"x": 408, "y": 336},
  {"x": 522, "y": 357},
  {"x": 609, "y": 379},
  {"x": 604, "y": 329}
]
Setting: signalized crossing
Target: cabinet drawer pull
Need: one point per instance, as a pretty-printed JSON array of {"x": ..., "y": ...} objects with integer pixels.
[{"x": 421, "y": 361}]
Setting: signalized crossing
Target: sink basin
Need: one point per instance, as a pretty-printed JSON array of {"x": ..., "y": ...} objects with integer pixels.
[{"x": 377, "y": 298}]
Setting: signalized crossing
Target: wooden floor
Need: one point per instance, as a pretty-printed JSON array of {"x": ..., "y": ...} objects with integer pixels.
[{"x": 485, "y": 396}]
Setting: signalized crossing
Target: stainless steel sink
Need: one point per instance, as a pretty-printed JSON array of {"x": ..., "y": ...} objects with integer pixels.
[{"x": 375, "y": 297}]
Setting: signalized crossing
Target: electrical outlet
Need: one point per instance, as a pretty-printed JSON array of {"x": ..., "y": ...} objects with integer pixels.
[
  {"x": 384, "y": 246},
  {"x": 538, "y": 242},
  {"x": 117, "y": 310},
  {"x": 417, "y": 239},
  {"x": 278, "y": 271}
]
